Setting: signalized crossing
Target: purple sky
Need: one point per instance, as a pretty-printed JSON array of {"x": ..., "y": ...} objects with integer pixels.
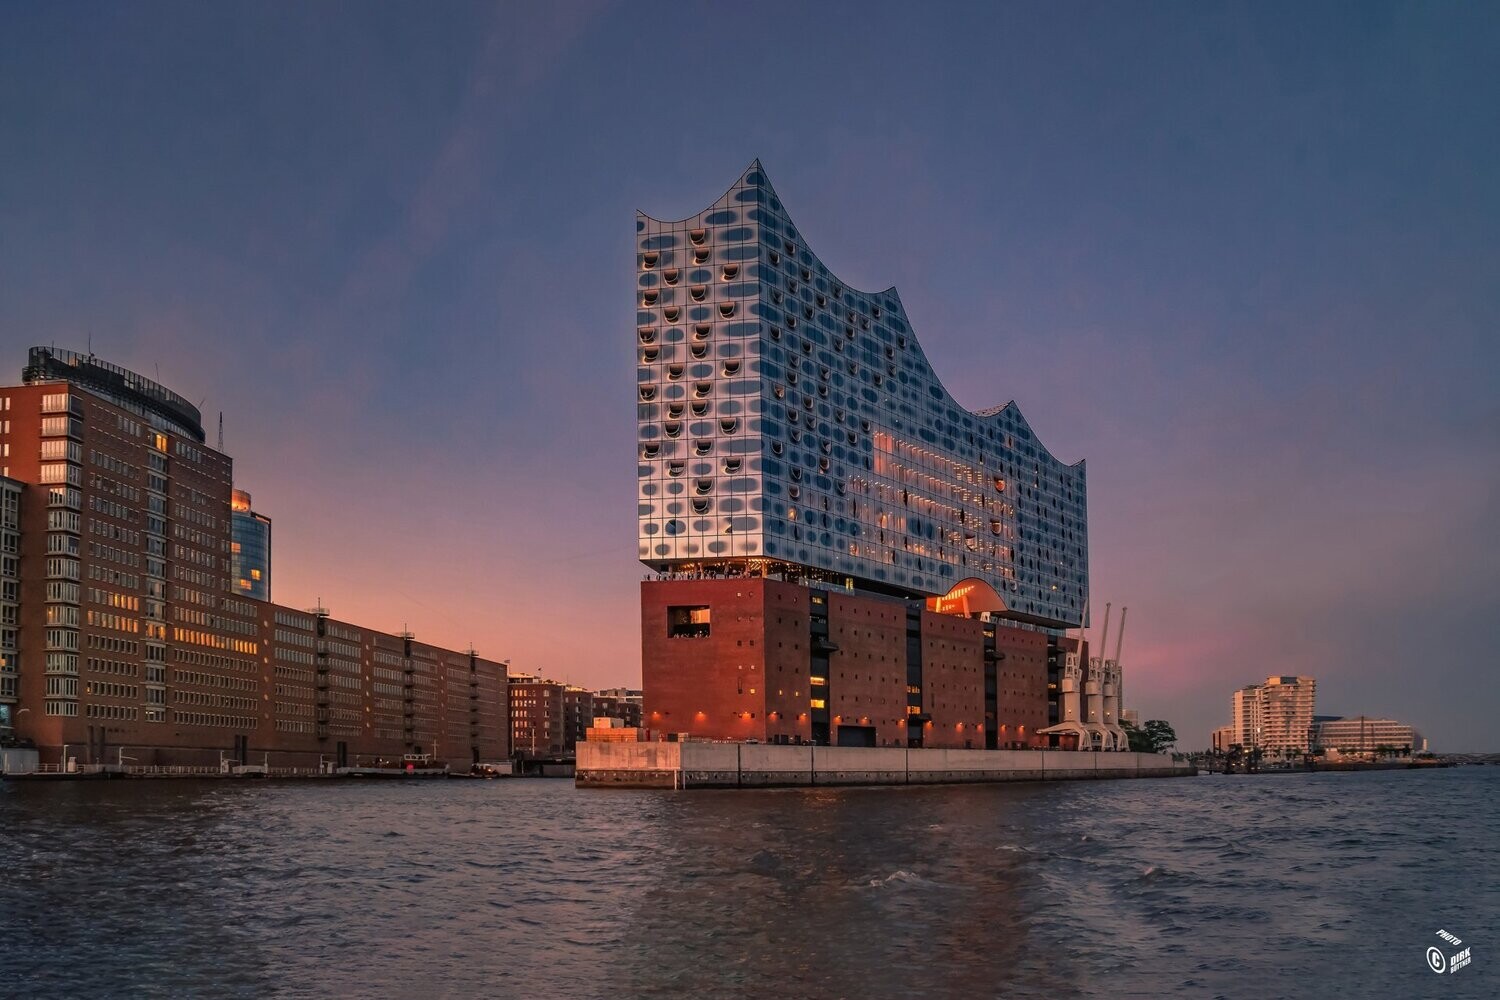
[{"x": 1242, "y": 258}]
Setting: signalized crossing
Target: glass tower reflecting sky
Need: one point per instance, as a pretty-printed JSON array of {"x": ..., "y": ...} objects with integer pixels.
[
  {"x": 250, "y": 549},
  {"x": 790, "y": 423}
]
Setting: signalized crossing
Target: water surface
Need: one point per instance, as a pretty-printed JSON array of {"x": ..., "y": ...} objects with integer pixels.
[{"x": 1323, "y": 885}]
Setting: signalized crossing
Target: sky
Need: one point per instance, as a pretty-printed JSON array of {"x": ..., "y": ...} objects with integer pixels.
[{"x": 1240, "y": 257}]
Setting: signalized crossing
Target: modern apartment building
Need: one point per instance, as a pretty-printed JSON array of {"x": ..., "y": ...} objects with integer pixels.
[
  {"x": 1275, "y": 717},
  {"x": 548, "y": 718},
  {"x": 1245, "y": 713},
  {"x": 131, "y": 630},
  {"x": 844, "y": 554},
  {"x": 1361, "y": 734},
  {"x": 249, "y": 549}
]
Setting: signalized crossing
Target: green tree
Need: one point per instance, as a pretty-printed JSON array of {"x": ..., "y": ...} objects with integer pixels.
[
  {"x": 1160, "y": 736},
  {"x": 1139, "y": 741}
]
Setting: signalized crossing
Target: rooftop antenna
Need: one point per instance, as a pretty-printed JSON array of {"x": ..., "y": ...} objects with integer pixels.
[{"x": 221, "y": 430}]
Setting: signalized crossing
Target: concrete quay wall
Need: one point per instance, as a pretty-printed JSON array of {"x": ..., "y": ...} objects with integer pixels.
[{"x": 751, "y": 765}]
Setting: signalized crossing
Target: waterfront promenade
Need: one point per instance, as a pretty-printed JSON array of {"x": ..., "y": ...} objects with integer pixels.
[{"x": 751, "y": 765}]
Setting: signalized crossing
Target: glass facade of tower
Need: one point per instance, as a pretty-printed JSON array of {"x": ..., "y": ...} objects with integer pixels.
[
  {"x": 250, "y": 549},
  {"x": 788, "y": 423}
]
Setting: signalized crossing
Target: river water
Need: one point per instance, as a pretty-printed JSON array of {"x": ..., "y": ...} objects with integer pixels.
[{"x": 1262, "y": 886}]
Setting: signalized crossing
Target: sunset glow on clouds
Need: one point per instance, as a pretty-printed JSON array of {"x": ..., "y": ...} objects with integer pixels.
[{"x": 1245, "y": 267}]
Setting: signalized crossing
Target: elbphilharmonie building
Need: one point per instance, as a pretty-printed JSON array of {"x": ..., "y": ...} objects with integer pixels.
[{"x": 791, "y": 426}]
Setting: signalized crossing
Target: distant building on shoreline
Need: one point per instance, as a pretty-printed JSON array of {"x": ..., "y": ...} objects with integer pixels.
[
  {"x": 1362, "y": 734},
  {"x": 1275, "y": 717},
  {"x": 1278, "y": 718},
  {"x": 549, "y": 717}
]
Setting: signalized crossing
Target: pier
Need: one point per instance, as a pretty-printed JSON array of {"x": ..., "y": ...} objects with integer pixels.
[{"x": 750, "y": 765}]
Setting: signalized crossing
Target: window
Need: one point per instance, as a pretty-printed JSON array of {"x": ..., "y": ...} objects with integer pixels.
[{"x": 687, "y": 621}]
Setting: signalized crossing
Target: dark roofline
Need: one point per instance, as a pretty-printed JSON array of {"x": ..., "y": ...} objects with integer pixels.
[{"x": 44, "y": 364}]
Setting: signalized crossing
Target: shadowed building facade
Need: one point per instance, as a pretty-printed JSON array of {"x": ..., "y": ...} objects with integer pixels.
[
  {"x": 846, "y": 555},
  {"x": 132, "y": 638}
]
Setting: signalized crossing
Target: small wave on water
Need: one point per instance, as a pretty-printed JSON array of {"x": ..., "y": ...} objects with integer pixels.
[{"x": 902, "y": 878}]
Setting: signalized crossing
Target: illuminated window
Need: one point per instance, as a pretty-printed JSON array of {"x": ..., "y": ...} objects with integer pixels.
[
  {"x": 688, "y": 621},
  {"x": 818, "y": 703}
]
